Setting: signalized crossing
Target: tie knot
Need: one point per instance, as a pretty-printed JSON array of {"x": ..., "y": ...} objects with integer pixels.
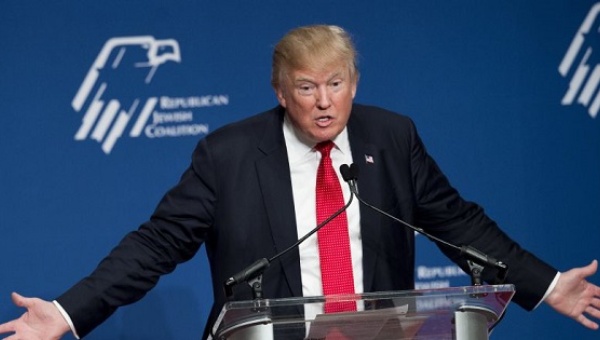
[{"x": 325, "y": 148}]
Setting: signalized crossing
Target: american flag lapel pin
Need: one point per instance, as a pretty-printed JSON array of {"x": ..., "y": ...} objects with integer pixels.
[{"x": 369, "y": 159}]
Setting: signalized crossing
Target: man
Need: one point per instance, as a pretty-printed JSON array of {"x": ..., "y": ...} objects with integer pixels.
[{"x": 249, "y": 193}]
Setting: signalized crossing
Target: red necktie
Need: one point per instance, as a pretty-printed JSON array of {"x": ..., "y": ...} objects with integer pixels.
[{"x": 333, "y": 238}]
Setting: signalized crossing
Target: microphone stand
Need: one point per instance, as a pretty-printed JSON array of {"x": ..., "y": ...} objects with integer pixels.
[
  {"x": 475, "y": 258},
  {"x": 252, "y": 274}
]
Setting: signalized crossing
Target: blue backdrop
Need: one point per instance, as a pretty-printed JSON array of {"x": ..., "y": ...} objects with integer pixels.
[{"x": 481, "y": 79}]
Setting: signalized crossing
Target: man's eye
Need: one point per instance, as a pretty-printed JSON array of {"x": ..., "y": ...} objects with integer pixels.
[
  {"x": 336, "y": 85},
  {"x": 306, "y": 89}
]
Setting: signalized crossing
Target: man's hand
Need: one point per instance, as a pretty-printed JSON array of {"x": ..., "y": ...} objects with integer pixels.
[
  {"x": 575, "y": 297},
  {"x": 41, "y": 321}
]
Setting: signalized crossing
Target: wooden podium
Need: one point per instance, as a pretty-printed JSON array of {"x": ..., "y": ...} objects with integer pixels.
[{"x": 463, "y": 313}]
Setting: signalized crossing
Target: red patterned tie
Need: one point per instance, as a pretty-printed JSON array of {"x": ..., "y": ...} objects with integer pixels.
[{"x": 333, "y": 238}]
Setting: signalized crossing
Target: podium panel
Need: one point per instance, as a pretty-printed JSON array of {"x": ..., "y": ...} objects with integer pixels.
[{"x": 464, "y": 313}]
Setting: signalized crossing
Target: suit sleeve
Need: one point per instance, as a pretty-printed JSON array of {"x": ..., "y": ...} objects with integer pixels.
[
  {"x": 173, "y": 235},
  {"x": 442, "y": 212}
]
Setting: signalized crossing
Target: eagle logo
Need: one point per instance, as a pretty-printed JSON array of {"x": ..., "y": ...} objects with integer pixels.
[
  {"x": 109, "y": 95},
  {"x": 582, "y": 64}
]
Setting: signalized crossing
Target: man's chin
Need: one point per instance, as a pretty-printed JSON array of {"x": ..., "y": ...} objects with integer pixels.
[{"x": 325, "y": 137}]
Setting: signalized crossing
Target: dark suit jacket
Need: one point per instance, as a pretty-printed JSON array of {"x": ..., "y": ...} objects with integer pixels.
[{"x": 236, "y": 198}]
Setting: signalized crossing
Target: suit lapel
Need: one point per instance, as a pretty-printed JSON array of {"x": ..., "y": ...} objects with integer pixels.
[
  {"x": 370, "y": 161},
  {"x": 275, "y": 182}
]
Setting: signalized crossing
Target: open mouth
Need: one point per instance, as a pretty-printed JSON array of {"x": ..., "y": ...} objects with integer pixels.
[{"x": 324, "y": 121}]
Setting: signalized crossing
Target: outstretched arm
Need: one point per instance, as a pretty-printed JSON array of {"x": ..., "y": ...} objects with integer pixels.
[
  {"x": 577, "y": 298},
  {"x": 41, "y": 321}
]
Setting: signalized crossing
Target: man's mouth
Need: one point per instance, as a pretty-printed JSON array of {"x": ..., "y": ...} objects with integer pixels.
[{"x": 324, "y": 121}]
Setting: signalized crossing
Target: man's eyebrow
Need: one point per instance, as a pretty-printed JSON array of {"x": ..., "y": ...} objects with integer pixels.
[
  {"x": 301, "y": 79},
  {"x": 310, "y": 80},
  {"x": 335, "y": 75}
]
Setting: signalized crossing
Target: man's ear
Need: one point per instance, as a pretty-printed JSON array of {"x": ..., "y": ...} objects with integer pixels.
[
  {"x": 280, "y": 96},
  {"x": 354, "y": 86}
]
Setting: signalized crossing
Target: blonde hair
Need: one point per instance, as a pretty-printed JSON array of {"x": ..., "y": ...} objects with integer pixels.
[{"x": 313, "y": 47}]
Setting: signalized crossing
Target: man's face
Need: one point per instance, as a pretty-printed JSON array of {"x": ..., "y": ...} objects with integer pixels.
[{"x": 318, "y": 103}]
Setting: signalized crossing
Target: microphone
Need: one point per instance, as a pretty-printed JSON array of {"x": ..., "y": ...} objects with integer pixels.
[
  {"x": 253, "y": 273},
  {"x": 476, "y": 259}
]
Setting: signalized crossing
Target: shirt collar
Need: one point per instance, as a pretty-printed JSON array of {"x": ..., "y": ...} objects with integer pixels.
[{"x": 298, "y": 147}]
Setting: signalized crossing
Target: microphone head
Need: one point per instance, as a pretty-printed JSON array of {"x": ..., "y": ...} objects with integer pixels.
[
  {"x": 347, "y": 173},
  {"x": 354, "y": 171}
]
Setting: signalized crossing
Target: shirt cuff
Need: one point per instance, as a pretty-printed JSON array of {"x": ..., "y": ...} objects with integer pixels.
[
  {"x": 549, "y": 290},
  {"x": 67, "y": 318}
]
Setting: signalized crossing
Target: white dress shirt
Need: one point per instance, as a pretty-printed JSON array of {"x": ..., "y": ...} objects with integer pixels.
[{"x": 303, "y": 162}]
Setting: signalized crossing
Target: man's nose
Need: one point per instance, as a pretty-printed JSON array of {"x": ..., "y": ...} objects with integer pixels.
[{"x": 322, "y": 97}]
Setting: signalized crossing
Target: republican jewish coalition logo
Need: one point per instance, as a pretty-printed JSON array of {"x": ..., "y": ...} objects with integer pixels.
[
  {"x": 117, "y": 94},
  {"x": 581, "y": 63}
]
